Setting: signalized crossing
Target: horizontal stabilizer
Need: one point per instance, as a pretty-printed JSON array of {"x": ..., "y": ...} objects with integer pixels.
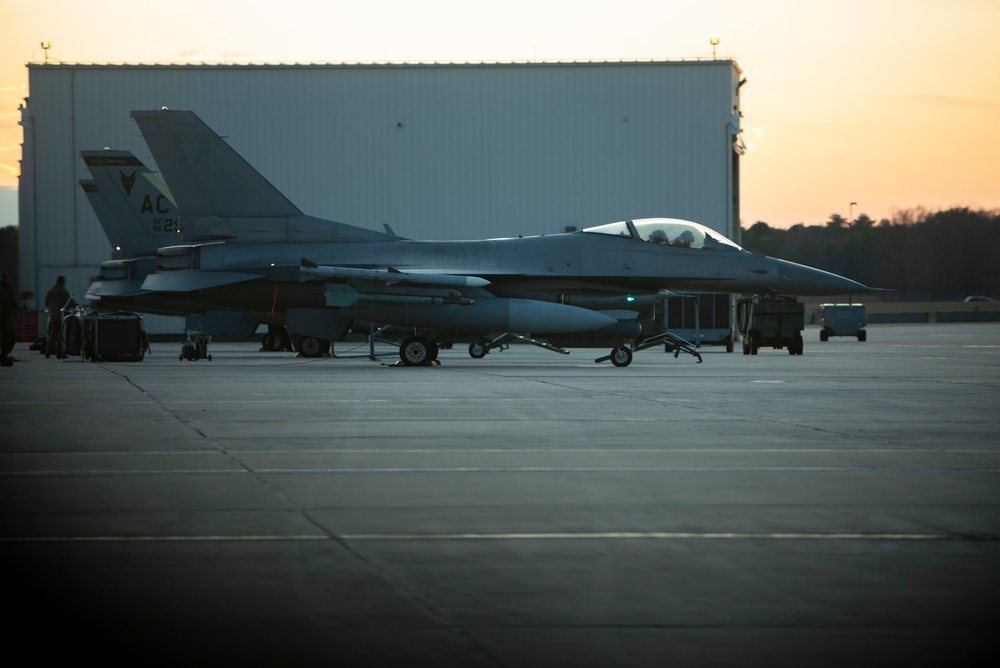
[
  {"x": 119, "y": 288},
  {"x": 189, "y": 281},
  {"x": 310, "y": 271}
]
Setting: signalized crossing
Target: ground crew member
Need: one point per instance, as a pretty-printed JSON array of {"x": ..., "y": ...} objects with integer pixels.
[{"x": 55, "y": 300}]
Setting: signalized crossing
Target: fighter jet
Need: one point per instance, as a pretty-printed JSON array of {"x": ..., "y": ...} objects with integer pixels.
[{"x": 253, "y": 250}]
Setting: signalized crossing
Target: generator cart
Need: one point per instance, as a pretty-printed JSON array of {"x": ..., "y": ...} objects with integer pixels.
[
  {"x": 773, "y": 321},
  {"x": 115, "y": 337}
]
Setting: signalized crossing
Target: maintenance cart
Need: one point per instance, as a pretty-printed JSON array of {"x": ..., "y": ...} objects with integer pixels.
[
  {"x": 115, "y": 337},
  {"x": 842, "y": 320},
  {"x": 775, "y": 321}
]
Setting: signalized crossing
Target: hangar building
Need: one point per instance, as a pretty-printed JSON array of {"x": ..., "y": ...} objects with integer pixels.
[{"x": 437, "y": 151}]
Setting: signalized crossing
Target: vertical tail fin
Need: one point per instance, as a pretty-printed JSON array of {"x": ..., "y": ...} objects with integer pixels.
[
  {"x": 131, "y": 203},
  {"x": 206, "y": 176}
]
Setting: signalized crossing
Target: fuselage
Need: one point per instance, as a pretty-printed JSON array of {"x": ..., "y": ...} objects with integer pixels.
[{"x": 609, "y": 268}]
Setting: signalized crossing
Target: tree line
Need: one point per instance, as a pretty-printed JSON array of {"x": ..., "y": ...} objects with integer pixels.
[{"x": 919, "y": 254}]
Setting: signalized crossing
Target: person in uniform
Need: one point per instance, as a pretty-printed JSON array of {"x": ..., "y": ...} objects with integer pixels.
[{"x": 55, "y": 300}]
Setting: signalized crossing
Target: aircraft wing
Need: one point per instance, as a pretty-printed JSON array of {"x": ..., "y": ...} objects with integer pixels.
[
  {"x": 189, "y": 281},
  {"x": 311, "y": 271}
]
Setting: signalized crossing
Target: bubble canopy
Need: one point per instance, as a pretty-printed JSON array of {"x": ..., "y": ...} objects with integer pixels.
[{"x": 668, "y": 232}]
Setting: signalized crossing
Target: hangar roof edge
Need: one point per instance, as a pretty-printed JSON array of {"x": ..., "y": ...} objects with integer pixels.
[{"x": 392, "y": 64}]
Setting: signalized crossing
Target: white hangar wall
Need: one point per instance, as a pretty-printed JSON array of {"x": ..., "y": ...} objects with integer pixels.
[{"x": 442, "y": 151}]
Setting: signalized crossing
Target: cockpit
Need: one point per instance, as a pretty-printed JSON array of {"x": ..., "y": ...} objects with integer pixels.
[{"x": 667, "y": 232}]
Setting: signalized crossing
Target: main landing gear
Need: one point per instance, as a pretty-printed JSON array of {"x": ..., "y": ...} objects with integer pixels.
[
  {"x": 417, "y": 351},
  {"x": 620, "y": 356},
  {"x": 673, "y": 343},
  {"x": 422, "y": 349}
]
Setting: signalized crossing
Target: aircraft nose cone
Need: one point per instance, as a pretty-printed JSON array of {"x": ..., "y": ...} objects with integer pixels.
[{"x": 798, "y": 279}]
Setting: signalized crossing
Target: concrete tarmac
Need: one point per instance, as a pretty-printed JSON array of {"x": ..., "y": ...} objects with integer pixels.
[{"x": 839, "y": 508}]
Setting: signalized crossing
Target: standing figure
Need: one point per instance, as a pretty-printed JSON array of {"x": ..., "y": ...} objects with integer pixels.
[{"x": 56, "y": 299}]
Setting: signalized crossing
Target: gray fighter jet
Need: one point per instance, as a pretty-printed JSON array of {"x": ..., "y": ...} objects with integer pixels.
[{"x": 252, "y": 250}]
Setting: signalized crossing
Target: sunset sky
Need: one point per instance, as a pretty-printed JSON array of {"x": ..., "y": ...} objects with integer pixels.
[{"x": 892, "y": 104}]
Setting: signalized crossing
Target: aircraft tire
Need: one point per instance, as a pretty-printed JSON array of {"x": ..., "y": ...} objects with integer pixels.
[
  {"x": 621, "y": 357},
  {"x": 416, "y": 351},
  {"x": 310, "y": 346},
  {"x": 72, "y": 335},
  {"x": 270, "y": 342},
  {"x": 478, "y": 350}
]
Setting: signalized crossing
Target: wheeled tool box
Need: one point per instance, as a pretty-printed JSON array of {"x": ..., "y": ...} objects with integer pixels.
[{"x": 118, "y": 337}]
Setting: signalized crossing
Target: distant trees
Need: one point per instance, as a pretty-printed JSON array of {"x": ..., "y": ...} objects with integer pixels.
[{"x": 921, "y": 255}]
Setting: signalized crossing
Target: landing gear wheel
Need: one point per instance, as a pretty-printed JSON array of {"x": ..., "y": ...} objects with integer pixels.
[
  {"x": 862, "y": 336},
  {"x": 824, "y": 335},
  {"x": 621, "y": 357},
  {"x": 275, "y": 339},
  {"x": 416, "y": 351},
  {"x": 72, "y": 335},
  {"x": 478, "y": 350},
  {"x": 270, "y": 343},
  {"x": 310, "y": 346}
]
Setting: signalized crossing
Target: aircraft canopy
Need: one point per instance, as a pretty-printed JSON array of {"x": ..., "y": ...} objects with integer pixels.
[{"x": 669, "y": 232}]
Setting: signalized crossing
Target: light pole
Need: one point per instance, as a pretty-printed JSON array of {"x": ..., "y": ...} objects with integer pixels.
[{"x": 850, "y": 247}]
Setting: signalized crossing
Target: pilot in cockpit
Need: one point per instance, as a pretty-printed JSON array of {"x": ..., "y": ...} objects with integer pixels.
[
  {"x": 658, "y": 237},
  {"x": 684, "y": 239}
]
